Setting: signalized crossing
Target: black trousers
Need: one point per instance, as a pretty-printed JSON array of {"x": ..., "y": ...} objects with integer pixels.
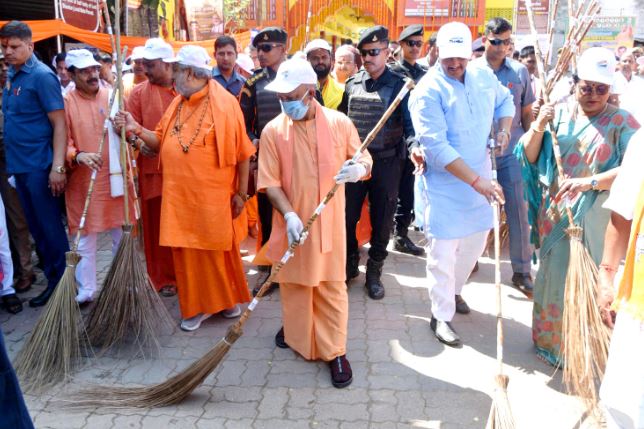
[
  {"x": 405, "y": 208},
  {"x": 382, "y": 191},
  {"x": 265, "y": 212}
]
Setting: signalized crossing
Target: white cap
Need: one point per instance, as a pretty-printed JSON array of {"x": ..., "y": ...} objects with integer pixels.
[
  {"x": 156, "y": 49},
  {"x": 245, "y": 62},
  {"x": 454, "y": 40},
  {"x": 291, "y": 74},
  {"x": 191, "y": 55},
  {"x": 597, "y": 65},
  {"x": 317, "y": 44},
  {"x": 137, "y": 53},
  {"x": 80, "y": 58}
]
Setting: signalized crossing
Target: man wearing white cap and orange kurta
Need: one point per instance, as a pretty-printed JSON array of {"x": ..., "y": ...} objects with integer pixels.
[
  {"x": 303, "y": 148},
  {"x": 452, "y": 109}
]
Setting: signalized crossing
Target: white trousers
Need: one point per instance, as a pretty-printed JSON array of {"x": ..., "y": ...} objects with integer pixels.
[
  {"x": 622, "y": 390},
  {"x": 5, "y": 256},
  {"x": 449, "y": 264},
  {"x": 86, "y": 269}
]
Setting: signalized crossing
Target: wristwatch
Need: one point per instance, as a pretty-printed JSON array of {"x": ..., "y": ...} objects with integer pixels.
[
  {"x": 594, "y": 184},
  {"x": 244, "y": 197},
  {"x": 60, "y": 169}
]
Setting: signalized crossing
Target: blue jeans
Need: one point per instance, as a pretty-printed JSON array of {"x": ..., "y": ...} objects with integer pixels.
[
  {"x": 45, "y": 219},
  {"x": 516, "y": 211},
  {"x": 13, "y": 412}
]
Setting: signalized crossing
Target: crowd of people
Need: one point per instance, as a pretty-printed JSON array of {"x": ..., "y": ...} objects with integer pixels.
[{"x": 251, "y": 146}]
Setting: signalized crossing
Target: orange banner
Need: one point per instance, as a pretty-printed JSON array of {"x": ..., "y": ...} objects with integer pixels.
[{"x": 51, "y": 28}]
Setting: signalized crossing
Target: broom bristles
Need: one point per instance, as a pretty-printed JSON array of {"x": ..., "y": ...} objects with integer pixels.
[
  {"x": 128, "y": 307},
  {"x": 53, "y": 349},
  {"x": 169, "y": 392},
  {"x": 501, "y": 413},
  {"x": 585, "y": 338}
]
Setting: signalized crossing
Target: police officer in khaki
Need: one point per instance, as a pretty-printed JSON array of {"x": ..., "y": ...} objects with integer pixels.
[{"x": 366, "y": 97}]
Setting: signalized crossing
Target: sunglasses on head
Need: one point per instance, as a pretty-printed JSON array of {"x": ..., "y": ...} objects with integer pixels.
[
  {"x": 498, "y": 42},
  {"x": 267, "y": 47},
  {"x": 597, "y": 89},
  {"x": 414, "y": 43},
  {"x": 370, "y": 52}
]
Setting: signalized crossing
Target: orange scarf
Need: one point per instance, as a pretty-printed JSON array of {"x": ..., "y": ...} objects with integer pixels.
[
  {"x": 228, "y": 124},
  {"x": 326, "y": 171}
]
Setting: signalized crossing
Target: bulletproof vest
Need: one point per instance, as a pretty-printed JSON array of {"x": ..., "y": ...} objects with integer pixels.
[
  {"x": 365, "y": 110},
  {"x": 268, "y": 105}
]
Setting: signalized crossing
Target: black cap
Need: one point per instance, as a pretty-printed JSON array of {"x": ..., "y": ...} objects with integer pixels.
[
  {"x": 270, "y": 34},
  {"x": 411, "y": 30},
  {"x": 373, "y": 35}
]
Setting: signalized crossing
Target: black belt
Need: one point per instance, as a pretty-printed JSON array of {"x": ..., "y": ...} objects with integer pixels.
[{"x": 382, "y": 154}]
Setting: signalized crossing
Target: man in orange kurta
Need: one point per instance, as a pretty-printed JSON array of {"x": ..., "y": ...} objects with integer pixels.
[
  {"x": 204, "y": 154},
  {"x": 303, "y": 148},
  {"x": 86, "y": 109},
  {"x": 147, "y": 103}
]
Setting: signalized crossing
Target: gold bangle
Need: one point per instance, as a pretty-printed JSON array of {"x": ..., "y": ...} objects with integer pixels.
[{"x": 245, "y": 197}]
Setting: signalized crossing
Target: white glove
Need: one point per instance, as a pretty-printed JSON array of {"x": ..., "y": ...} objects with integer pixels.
[
  {"x": 294, "y": 228},
  {"x": 350, "y": 172}
]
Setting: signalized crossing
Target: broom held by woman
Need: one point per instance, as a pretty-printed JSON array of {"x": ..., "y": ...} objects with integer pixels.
[{"x": 592, "y": 136}]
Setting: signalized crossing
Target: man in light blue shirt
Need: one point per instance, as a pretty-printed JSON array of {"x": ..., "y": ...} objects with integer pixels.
[
  {"x": 225, "y": 73},
  {"x": 514, "y": 76},
  {"x": 452, "y": 109}
]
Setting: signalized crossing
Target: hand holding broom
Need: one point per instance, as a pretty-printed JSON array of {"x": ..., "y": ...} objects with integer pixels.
[{"x": 177, "y": 388}]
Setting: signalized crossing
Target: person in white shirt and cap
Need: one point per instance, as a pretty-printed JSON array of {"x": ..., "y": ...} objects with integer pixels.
[
  {"x": 312, "y": 286},
  {"x": 452, "y": 109}
]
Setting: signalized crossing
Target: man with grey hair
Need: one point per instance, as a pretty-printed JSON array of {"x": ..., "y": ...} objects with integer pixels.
[
  {"x": 204, "y": 154},
  {"x": 347, "y": 63}
]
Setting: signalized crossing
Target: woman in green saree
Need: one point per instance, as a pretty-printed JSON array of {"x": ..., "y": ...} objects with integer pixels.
[{"x": 593, "y": 136}]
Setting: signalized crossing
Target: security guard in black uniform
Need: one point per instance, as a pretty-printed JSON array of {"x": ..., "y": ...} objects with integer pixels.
[
  {"x": 411, "y": 42},
  {"x": 366, "y": 97},
  {"x": 260, "y": 107}
]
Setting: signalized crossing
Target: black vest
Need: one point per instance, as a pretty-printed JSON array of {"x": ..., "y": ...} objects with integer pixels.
[
  {"x": 268, "y": 105},
  {"x": 365, "y": 110}
]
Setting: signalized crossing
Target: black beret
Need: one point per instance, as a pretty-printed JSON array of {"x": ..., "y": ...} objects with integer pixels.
[
  {"x": 411, "y": 30},
  {"x": 373, "y": 35},
  {"x": 270, "y": 34}
]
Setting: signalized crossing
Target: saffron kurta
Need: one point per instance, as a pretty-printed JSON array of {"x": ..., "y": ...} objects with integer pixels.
[
  {"x": 198, "y": 186},
  {"x": 85, "y": 118},
  {"x": 147, "y": 103},
  {"x": 313, "y": 292}
]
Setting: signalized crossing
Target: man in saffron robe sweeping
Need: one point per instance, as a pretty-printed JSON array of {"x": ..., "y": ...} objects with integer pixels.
[
  {"x": 205, "y": 153},
  {"x": 303, "y": 148},
  {"x": 147, "y": 103}
]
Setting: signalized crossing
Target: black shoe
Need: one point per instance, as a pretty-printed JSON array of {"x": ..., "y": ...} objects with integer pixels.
[
  {"x": 353, "y": 260},
  {"x": 461, "y": 305},
  {"x": 341, "y": 373},
  {"x": 279, "y": 339},
  {"x": 445, "y": 333},
  {"x": 523, "y": 282},
  {"x": 404, "y": 244},
  {"x": 375, "y": 288},
  {"x": 42, "y": 299},
  {"x": 11, "y": 303}
]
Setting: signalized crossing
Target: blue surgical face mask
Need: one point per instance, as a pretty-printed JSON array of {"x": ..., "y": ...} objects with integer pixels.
[{"x": 296, "y": 109}]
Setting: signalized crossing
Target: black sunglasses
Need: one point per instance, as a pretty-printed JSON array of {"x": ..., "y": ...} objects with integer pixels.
[
  {"x": 267, "y": 47},
  {"x": 370, "y": 52},
  {"x": 498, "y": 42},
  {"x": 416, "y": 43},
  {"x": 597, "y": 89}
]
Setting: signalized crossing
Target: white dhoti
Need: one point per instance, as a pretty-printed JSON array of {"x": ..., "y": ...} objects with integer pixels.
[
  {"x": 86, "y": 269},
  {"x": 449, "y": 264}
]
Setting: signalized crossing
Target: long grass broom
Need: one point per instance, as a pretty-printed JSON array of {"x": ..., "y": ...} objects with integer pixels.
[
  {"x": 179, "y": 387},
  {"x": 500, "y": 412},
  {"x": 128, "y": 307},
  {"x": 585, "y": 337},
  {"x": 53, "y": 349}
]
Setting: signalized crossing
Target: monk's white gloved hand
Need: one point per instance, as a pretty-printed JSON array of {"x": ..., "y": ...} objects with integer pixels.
[
  {"x": 294, "y": 228},
  {"x": 351, "y": 171}
]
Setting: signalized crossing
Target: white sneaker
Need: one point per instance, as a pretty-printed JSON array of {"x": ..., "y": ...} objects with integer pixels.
[
  {"x": 84, "y": 297},
  {"x": 194, "y": 323},
  {"x": 231, "y": 313}
]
